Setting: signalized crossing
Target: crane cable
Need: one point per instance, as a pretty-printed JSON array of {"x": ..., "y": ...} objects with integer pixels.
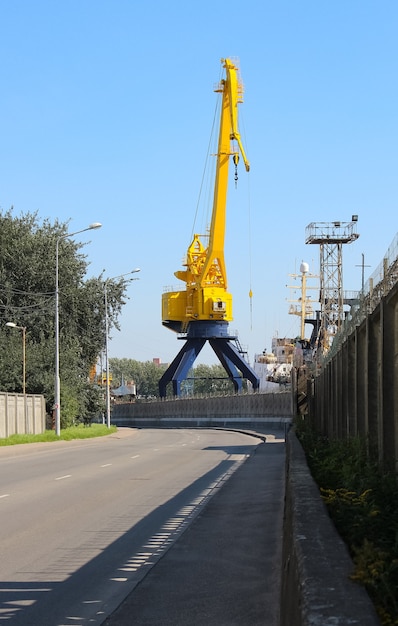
[
  {"x": 249, "y": 235},
  {"x": 250, "y": 255},
  {"x": 206, "y": 165}
]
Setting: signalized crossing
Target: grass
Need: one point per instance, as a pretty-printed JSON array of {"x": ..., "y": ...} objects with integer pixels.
[{"x": 67, "y": 434}]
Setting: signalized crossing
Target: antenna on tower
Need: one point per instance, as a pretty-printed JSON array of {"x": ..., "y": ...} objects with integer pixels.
[{"x": 363, "y": 273}]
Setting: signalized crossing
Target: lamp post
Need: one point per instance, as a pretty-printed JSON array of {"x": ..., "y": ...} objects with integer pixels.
[
  {"x": 107, "y": 390},
  {"x": 23, "y": 328},
  {"x": 57, "y": 385}
]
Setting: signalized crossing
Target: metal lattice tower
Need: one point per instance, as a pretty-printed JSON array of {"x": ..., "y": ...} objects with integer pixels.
[{"x": 330, "y": 237}]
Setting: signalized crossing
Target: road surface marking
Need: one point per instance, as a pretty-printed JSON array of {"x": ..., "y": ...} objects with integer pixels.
[{"x": 62, "y": 477}]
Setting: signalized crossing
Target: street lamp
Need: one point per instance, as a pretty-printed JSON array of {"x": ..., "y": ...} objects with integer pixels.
[
  {"x": 107, "y": 391},
  {"x": 57, "y": 385},
  {"x": 23, "y": 328}
]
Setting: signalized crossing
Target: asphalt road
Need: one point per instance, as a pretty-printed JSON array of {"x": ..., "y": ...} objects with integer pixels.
[{"x": 83, "y": 522}]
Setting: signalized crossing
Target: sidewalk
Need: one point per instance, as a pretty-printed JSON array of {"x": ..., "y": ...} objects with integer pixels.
[{"x": 225, "y": 570}]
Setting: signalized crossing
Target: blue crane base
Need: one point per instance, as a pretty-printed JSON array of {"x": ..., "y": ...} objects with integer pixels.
[{"x": 216, "y": 333}]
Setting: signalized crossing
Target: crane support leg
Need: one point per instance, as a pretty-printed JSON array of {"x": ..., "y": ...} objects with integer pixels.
[
  {"x": 180, "y": 366},
  {"x": 228, "y": 365},
  {"x": 227, "y": 349},
  {"x": 231, "y": 360}
]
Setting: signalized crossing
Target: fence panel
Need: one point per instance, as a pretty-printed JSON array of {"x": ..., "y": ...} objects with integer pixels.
[{"x": 21, "y": 414}]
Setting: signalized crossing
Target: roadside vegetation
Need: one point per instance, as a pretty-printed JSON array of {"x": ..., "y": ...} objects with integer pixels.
[
  {"x": 362, "y": 500},
  {"x": 73, "y": 432}
]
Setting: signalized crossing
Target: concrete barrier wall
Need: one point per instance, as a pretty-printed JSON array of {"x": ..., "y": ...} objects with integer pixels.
[
  {"x": 356, "y": 391},
  {"x": 21, "y": 414},
  {"x": 316, "y": 585},
  {"x": 211, "y": 410}
]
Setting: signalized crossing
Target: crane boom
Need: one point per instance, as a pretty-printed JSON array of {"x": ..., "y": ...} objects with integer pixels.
[
  {"x": 232, "y": 95},
  {"x": 205, "y": 276}
]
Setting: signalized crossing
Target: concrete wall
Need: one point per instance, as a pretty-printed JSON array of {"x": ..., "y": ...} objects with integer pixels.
[
  {"x": 242, "y": 409},
  {"x": 21, "y": 414},
  {"x": 316, "y": 585},
  {"x": 356, "y": 392}
]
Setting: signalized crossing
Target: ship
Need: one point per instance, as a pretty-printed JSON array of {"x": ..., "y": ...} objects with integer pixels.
[{"x": 274, "y": 368}]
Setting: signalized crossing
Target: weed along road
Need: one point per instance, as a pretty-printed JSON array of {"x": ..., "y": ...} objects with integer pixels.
[{"x": 82, "y": 522}]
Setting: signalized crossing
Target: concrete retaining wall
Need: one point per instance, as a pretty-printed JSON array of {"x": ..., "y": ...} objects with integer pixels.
[
  {"x": 206, "y": 411},
  {"x": 22, "y": 414},
  {"x": 316, "y": 585},
  {"x": 356, "y": 393}
]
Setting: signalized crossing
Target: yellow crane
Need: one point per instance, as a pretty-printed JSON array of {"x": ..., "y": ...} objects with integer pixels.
[{"x": 202, "y": 310}]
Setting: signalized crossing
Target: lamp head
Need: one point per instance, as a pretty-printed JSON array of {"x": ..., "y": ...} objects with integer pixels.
[
  {"x": 11, "y": 324},
  {"x": 95, "y": 225}
]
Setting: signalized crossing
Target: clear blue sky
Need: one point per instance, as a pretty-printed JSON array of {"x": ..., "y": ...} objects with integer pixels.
[{"x": 105, "y": 115}]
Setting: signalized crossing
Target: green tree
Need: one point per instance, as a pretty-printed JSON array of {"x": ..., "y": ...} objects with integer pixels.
[
  {"x": 27, "y": 298},
  {"x": 203, "y": 379},
  {"x": 145, "y": 375},
  {"x": 210, "y": 379}
]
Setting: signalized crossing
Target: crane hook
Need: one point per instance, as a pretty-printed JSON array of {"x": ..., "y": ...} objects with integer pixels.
[{"x": 236, "y": 161}]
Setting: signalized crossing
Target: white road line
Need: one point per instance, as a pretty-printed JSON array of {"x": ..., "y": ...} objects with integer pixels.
[
  {"x": 135, "y": 456},
  {"x": 5, "y": 495},
  {"x": 62, "y": 477},
  {"x": 106, "y": 465}
]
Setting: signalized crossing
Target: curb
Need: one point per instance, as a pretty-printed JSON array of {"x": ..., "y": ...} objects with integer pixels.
[{"x": 316, "y": 585}]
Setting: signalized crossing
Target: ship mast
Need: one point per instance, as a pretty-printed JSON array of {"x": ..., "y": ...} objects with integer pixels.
[{"x": 304, "y": 308}]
